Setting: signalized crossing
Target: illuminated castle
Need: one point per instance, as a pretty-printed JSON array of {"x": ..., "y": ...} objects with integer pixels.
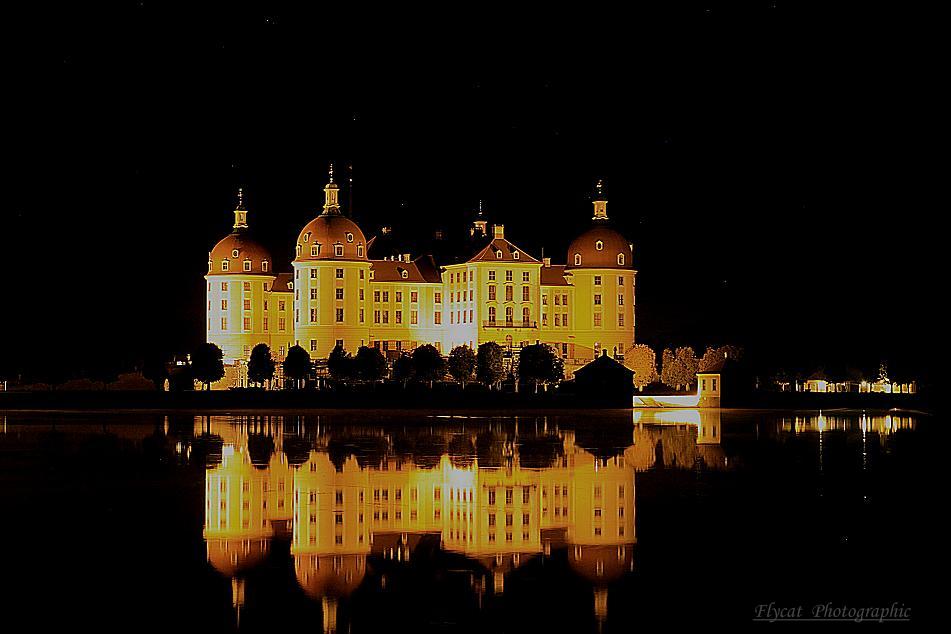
[{"x": 337, "y": 294}]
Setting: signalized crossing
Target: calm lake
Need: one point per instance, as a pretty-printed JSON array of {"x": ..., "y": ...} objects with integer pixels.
[{"x": 371, "y": 521}]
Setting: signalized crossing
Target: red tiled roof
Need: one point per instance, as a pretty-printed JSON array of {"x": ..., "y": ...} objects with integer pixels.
[
  {"x": 488, "y": 254},
  {"x": 554, "y": 275},
  {"x": 420, "y": 270}
]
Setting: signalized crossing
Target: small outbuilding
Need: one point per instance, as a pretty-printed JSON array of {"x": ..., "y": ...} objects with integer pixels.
[{"x": 604, "y": 377}]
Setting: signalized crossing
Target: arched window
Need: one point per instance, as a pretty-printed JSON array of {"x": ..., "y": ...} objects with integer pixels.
[
  {"x": 620, "y": 259},
  {"x": 224, "y": 265},
  {"x": 404, "y": 274},
  {"x": 498, "y": 255},
  {"x": 577, "y": 259},
  {"x": 599, "y": 245},
  {"x": 526, "y": 315},
  {"x": 515, "y": 255},
  {"x": 307, "y": 237},
  {"x": 298, "y": 249},
  {"x": 359, "y": 250},
  {"x": 264, "y": 266}
]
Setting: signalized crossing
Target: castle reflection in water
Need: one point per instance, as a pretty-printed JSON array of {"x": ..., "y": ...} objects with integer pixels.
[{"x": 356, "y": 502}]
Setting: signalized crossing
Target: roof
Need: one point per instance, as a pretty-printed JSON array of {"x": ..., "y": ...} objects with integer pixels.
[
  {"x": 327, "y": 230},
  {"x": 488, "y": 253},
  {"x": 603, "y": 365},
  {"x": 282, "y": 283},
  {"x": 237, "y": 247},
  {"x": 612, "y": 245},
  {"x": 421, "y": 270},
  {"x": 554, "y": 275}
]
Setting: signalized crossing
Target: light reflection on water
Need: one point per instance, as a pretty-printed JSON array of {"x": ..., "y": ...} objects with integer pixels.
[{"x": 356, "y": 501}]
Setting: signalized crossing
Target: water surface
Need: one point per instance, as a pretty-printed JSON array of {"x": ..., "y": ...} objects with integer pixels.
[{"x": 387, "y": 521}]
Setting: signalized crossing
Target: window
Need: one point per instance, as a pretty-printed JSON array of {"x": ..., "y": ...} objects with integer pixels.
[
  {"x": 620, "y": 280},
  {"x": 386, "y": 296},
  {"x": 438, "y": 298},
  {"x": 386, "y": 316},
  {"x": 315, "y": 250},
  {"x": 376, "y": 296},
  {"x": 313, "y": 315},
  {"x": 437, "y": 317},
  {"x": 361, "y": 294},
  {"x": 313, "y": 274},
  {"x": 492, "y": 292},
  {"x": 224, "y": 304},
  {"x": 491, "y": 314},
  {"x": 597, "y": 280},
  {"x": 339, "y": 293},
  {"x": 564, "y": 320},
  {"x": 298, "y": 249},
  {"x": 525, "y": 293},
  {"x": 515, "y": 255},
  {"x": 564, "y": 299},
  {"x": 281, "y": 305},
  {"x": 498, "y": 255},
  {"x": 620, "y": 319},
  {"x": 349, "y": 237},
  {"x": 509, "y": 315},
  {"x": 246, "y": 286},
  {"x": 234, "y": 253},
  {"x": 544, "y": 319},
  {"x": 525, "y": 276},
  {"x": 508, "y": 293},
  {"x": 338, "y": 250},
  {"x": 339, "y": 315},
  {"x": 247, "y": 304},
  {"x": 597, "y": 299},
  {"x": 361, "y": 315},
  {"x": 247, "y": 265},
  {"x": 557, "y": 320},
  {"x": 224, "y": 323},
  {"x": 526, "y": 316},
  {"x": 597, "y": 320},
  {"x": 399, "y": 296},
  {"x": 414, "y": 317},
  {"x": 620, "y": 300},
  {"x": 313, "y": 293},
  {"x": 599, "y": 245},
  {"x": 224, "y": 265},
  {"x": 313, "y": 345},
  {"x": 281, "y": 324},
  {"x": 376, "y": 316},
  {"x": 577, "y": 259},
  {"x": 246, "y": 324},
  {"x": 491, "y": 276},
  {"x": 508, "y": 276},
  {"x": 620, "y": 259},
  {"x": 340, "y": 273},
  {"x": 360, "y": 254},
  {"x": 307, "y": 237},
  {"x": 414, "y": 296},
  {"x": 404, "y": 273},
  {"x": 264, "y": 266},
  {"x": 399, "y": 316}
]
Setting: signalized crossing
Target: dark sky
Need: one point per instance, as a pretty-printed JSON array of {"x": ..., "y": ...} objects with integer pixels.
[{"x": 770, "y": 160}]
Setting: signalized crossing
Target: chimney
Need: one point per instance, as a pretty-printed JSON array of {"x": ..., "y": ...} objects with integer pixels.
[
  {"x": 547, "y": 262},
  {"x": 406, "y": 257},
  {"x": 498, "y": 231}
]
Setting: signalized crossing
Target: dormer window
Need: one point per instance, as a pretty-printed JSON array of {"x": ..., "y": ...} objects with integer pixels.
[
  {"x": 349, "y": 237},
  {"x": 359, "y": 250},
  {"x": 224, "y": 265},
  {"x": 498, "y": 255},
  {"x": 599, "y": 245},
  {"x": 290, "y": 285},
  {"x": 298, "y": 250},
  {"x": 404, "y": 274},
  {"x": 338, "y": 250},
  {"x": 264, "y": 266},
  {"x": 314, "y": 250},
  {"x": 577, "y": 259},
  {"x": 307, "y": 237},
  {"x": 210, "y": 264},
  {"x": 620, "y": 259},
  {"x": 234, "y": 253},
  {"x": 515, "y": 255},
  {"x": 247, "y": 265}
]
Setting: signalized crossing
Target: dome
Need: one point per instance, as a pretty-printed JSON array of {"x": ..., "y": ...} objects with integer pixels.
[
  {"x": 234, "y": 556},
  {"x": 601, "y": 564},
  {"x": 320, "y": 236},
  {"x": 236, "y": 248},
  {"x": 600, "y": 247},
  {"x": 329, "y": 575}
]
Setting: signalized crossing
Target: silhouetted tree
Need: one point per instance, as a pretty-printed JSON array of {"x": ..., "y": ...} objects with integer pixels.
[
  {"x": 679, "y": 367},
  {"x": 369, "y": 364},
  {"x": 689, "y": 364},
  {"x": 340, "y": 364},
  {"x": 261, "y": 364},
  {"x": 711, "y": 361},
  {"x": 428, "y": 364},
  {"x": 403, "y": 368},
  {"x": 155, "y": 370},
  {"x": 297, "y": 365},
  {"x": 207, "y": 364},
  {"x": 539, "y": 363},
  {"x": 643, "y": 361},
  {"x": 462, "y": 364},
  {"x": 489, "y": 363}
]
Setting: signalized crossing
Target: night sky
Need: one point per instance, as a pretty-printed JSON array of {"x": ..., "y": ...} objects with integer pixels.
[{"x": 770, "y": 160}]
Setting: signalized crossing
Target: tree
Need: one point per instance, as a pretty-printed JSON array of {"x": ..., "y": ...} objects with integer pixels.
[
  {"x": 643, "y": 361},
  {"x": 668, "y": 373},
  {"x": 261, "y": 364},
  {"x": 712, "y": 360},
  {"x": 297, "y": 365},
  {"x": 539, "y": 363},
  {"x": 369, "y": 364},
  {"x": 428, "y": 364},
  {"x": 489, "y": 363},
  {"x": 462, "y": 364},
  {"x": 207, "y": 364},
  {"x": 403, "y": 368},
  {"x": 687, "y": 365},
  {"x": 155, "y": 370},
  {"x": 340, "y": 364}
]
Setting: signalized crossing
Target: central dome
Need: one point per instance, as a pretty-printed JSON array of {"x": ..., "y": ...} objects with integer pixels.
[
  {"x": 320, "y": 238},
  {"x": 600, "y": 247}
]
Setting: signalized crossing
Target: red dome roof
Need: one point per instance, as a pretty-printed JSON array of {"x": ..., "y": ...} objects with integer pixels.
[
  {"x": 325, "y": 232},
  {"x": 600, "y": 247},
  {"x": 236, "y": 248}
]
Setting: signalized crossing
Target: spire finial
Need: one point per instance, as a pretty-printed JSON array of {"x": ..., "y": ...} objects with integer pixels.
[
  {"x": 480, "y": 206},
  {"x": 599, "y": 189},
  {"x": 241, "y": 198},
  {"x": 331, "y": 195},
  {"x": 240, "y": 212},
  {"x": 600, "y": 202},
  {"x": 331, "y": 171}
]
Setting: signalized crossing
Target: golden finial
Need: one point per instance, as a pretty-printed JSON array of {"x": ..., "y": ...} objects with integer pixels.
[
  {"x": 600, "y": 188},
  {"x": 241, "y": 198},
  {"x": 331, "y": 172}
]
